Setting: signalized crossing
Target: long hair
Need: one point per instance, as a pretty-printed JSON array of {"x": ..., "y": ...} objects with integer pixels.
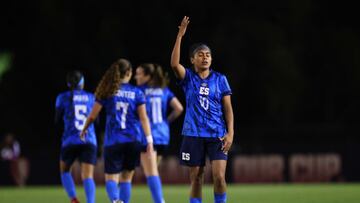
[
  {"x": 74, "y": 80},
  {"x": 157, "y": 76},
  {"x": 111, "y": 80}
]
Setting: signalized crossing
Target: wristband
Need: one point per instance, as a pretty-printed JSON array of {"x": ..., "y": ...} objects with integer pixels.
[{"x": 149, "y": 139}]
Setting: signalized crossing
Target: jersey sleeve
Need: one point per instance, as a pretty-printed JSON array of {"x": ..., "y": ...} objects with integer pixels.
[
  {"x": 139, "y": 98},
  {"x": 186, "y": 79},
  {"x": 224, "y": 86},
  {"x": 58, "y": 103}
]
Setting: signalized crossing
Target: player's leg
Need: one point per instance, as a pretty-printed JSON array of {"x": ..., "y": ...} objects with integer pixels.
[
  {"x": 149, "y": 164},
  {"x": 125, "y": 185},
  {"x": 161, "y": 151},
  {"x": 197, "y": 180},
  {"x": 88, "y": 160},
  {"x": 192, "y": 154},
  {"x": 218, "y": 173},
  {"x": 67, "y": 157},
  {"x": 111, "y": 185},
  {"x": 112, "y": 160},
  {"x": 218, "y": 165}
]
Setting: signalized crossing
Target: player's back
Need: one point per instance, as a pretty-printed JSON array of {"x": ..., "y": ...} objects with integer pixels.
[
  {"x": 157, "y": 103},
  {"x": 122, "y": 120},
  {"x": 75, "y": 106}
]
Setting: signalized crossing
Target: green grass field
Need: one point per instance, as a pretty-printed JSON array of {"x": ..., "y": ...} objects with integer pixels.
[{"x": 255, "y": 193}]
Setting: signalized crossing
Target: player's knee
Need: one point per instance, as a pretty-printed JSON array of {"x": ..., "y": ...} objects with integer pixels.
[
  {"x": 198, "y": 177},
  {"x": 219, "y": 177}
]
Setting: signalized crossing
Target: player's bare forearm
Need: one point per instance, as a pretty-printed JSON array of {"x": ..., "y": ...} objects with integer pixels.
[
  {"x": 144, "y": 120},
  {"x": 178, "y": 69},
  {"x": 177, "y": 109},
  {"x": 229, "y": 116}
]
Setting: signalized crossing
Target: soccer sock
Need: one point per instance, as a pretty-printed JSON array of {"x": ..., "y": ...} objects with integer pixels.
[
  {"x": 125, "y": 191},
  {"x": 220, "y": 198},
  {"x": 195, "y": 200},
  {"x": 112, "y": 190},
  {"x": 89, "y": 186},
  {"x": 68, "y": 183},
  {"x": 154, "y": 184}
]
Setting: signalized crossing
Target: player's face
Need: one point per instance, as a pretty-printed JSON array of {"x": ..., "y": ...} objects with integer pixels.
[
  {"x": 140, "y": 76},
  {"x": 202, "y": 59}
]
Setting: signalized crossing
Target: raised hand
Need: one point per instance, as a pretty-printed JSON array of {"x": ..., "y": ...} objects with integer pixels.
[{"x": 182, "y": 28}]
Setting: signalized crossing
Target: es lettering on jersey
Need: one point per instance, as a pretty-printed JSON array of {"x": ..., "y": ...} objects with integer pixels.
[{"x": 204, "y": 108}]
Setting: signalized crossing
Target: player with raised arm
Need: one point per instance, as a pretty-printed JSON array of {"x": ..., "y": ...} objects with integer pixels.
[
  {"x": 208, "y": 124},
  {"x": 73, "y": 107},
  {"x": 125, "y": 115}
]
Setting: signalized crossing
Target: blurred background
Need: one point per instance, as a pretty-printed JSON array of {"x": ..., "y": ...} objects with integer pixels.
[{"x": 293, "y": 67}]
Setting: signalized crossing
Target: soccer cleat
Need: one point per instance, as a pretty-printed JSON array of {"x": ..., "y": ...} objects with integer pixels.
[{"x": 74, "y": 200}]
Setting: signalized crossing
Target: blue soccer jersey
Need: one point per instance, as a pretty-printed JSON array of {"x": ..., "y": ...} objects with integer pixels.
[
  {"x": 75, "y": 106},
  {"x": 122, "y": 120},
  {"x": 157, "y": 102},
  {"x": 204, "y": 109}
]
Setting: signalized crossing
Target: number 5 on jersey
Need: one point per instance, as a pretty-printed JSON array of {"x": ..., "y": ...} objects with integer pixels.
[{"x": 80, "y": 116}]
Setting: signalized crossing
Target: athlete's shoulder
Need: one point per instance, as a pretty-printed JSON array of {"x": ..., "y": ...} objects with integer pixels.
[
  {"x": 63, "y": 94},
  {"x": 217, "y": 74}
]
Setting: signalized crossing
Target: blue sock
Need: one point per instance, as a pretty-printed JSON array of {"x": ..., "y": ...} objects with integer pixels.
[
  {"x": 112, "y": 190},
  {"x": 195, "y": 200},
  {"x": 220, "y": 198},
  {"x": 154, "y": 184},
  {"x": 89, "y": 186},
  {"x": 68, "y": 183},
  {"x": 125, "y": 191}
]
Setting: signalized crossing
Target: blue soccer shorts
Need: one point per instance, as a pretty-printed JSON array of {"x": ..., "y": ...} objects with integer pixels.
[
  {"x": 119, "y": 157},
  {"x": 85, "y": 153},
  {"x": 194, "y": 150}
]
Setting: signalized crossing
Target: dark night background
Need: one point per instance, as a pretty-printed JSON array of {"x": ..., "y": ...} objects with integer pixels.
[{"x": 293, "y": 66}]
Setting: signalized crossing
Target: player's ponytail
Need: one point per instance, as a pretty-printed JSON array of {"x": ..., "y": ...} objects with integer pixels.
[
  {"x": 74, "y": 80},
  {"x": 157, "y": 76},
  {"x": 111, "y": 80},
  {"x": 160, "y": 78}
]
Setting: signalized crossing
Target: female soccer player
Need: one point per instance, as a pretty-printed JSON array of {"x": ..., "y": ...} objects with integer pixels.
[
  {"x": 74, "y": 106},
  {"x": 153, "y": 82},
  {"x": 125, "y": 114},
  {"x": 208, "y": 124},
  {"x": 151, "y": 79}
]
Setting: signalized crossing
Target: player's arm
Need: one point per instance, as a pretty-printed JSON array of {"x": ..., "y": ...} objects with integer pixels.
[
  {"x": 229, "y": 118},
  {"x": 179, "y": 69},
  {"x": 177, "y": 109},
  {"x": 91, "y": 118},
  {"x": 144, "y": 120}
]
